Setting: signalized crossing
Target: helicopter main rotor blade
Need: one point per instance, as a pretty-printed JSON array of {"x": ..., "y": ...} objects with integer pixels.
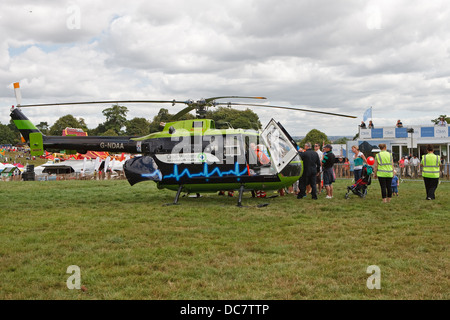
[
  {"x": 99, "y": 102},
  {"x": 183, "y": 112},
  {"x": 287, "y": 108},
  {"x": 206, "y": 102},
  {"x": 233, "y": 97}
]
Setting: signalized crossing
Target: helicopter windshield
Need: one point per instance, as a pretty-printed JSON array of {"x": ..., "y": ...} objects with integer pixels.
[{"x": 280, "y": 146}]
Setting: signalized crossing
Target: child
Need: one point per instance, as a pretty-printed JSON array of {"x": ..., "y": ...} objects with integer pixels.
[{"x": 395, "y": 184}]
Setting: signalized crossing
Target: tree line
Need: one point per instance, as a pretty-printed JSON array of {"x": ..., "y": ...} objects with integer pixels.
[{"x": 117, "y": 124}]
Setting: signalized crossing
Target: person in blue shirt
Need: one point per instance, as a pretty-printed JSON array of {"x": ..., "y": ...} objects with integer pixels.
[{"x": 395, "y": 184}]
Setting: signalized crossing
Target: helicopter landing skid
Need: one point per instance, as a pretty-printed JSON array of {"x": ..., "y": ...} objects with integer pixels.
[
  {"x": 241, "y": 191},
  {"x": 239, "y": 204},
  {"x": 177, "y": 197}
]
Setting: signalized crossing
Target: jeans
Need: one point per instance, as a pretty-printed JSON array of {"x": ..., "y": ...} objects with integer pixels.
[{"x": 357, "y": 174}]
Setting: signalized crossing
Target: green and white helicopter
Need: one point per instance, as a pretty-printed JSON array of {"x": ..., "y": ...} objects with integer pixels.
[{"x": 189, "y": 156}]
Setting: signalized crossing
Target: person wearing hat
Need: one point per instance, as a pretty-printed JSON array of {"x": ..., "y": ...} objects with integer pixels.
[{"x": 327, "y": 168}]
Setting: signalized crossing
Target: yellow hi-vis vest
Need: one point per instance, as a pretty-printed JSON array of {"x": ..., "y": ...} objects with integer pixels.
[
  {"x": 430, "y": 163},
  {"x": 385, "y": 169}
]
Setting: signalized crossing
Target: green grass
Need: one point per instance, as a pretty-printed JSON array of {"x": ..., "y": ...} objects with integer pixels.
[{"x": 129, "y": 246}]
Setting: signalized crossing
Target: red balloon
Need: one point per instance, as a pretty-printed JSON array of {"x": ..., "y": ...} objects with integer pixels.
[{"x": 370, "y": 161}]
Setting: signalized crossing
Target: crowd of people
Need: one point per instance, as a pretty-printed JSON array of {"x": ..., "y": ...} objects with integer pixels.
[
  {"x": 370, "y": 126},
  {"x": 318, "y": 166},
  {"x": 363, "y": 125},
  {"x": 441, "y": 123},
  {"x": 409, "y": 166},
  {"x": 21, "y": 154}
]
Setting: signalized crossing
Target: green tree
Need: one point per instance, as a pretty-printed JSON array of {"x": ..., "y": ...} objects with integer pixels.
[
  {"x": 342, "y": 140},
  {"x": 110, "y": 132},
  {"x": 43, "y": 127},
  {"x": 315, "y": 136},
  {"x": 137, "y": 127},
  {"x": 100, "y": 130},
  {"x": 436, "y": 121},
  {"x": 67, "y": 121},
  {"x": 164, "y": 116},
  {"x": 11, "y": 125},
  {"x": 246, "y": 119},
  {"x": 7, "y": 136},
  {"x": 222, "y": 116},
  {"x": 116, "y": 118}
]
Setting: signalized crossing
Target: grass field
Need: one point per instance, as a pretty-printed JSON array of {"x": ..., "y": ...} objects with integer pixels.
[{"x": 129, "y": 246}]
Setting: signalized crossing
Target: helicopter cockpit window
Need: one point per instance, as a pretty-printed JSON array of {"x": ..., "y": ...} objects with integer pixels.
[
  {"x": 258, "y": 157},
  {"x": 197, "y": 124}
]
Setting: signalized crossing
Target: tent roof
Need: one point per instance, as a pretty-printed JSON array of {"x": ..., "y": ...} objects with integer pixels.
[{"x": 96, "y": 154}]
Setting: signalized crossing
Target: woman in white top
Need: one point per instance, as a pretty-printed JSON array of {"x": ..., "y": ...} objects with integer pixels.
[
  {"x": 359, "y": 160},
  {"x": 442, "y": 122}
]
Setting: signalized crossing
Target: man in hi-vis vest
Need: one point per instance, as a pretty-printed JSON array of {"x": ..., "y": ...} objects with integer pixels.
[
  {"x": 384, "y": 170},
  {"x": 430, "y": 171}
]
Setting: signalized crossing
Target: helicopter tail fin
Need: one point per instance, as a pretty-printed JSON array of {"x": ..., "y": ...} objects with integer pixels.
[{"x": 29, "y": 132}]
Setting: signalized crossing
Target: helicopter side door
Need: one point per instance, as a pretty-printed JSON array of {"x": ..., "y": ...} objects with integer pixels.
[{"x": 280, "y": 145}]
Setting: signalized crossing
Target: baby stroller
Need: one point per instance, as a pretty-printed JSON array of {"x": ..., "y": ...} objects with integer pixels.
[{"x": 360, "y": 187}]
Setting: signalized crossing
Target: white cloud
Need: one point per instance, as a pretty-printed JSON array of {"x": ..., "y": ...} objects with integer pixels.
[{"x": 335, "y": 56}]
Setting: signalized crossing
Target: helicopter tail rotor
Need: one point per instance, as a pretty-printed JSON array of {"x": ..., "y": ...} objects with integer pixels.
[{"x": 17, "y": 93}]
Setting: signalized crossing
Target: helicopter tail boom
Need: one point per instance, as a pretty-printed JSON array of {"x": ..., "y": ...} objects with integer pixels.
[{"x": 38, "y": 141}]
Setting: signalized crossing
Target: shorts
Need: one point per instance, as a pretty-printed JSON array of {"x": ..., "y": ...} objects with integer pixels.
[
  {"x": 394, "y": 189},
  {"x": 328, "y": 176}
]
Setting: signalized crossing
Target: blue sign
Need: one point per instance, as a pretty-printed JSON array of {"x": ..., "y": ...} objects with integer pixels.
[
  {"x": 401, "y": 133},
  {"x": 377, "y": 133},
  {"x": 427, "y": 132}
]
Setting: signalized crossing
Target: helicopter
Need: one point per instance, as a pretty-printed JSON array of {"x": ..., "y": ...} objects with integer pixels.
[{"x": 189, "y": 156}]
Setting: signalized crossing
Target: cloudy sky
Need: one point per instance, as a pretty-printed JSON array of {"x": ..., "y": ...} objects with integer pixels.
[{"x": 334, "y": 56}]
